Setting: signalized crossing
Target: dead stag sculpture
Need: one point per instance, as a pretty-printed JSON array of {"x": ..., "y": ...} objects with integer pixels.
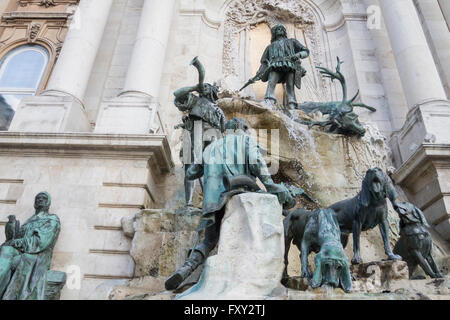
[{"x": 342, "y": 119}]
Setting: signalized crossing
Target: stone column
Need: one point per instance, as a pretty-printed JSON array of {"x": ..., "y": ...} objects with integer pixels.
[
  {"x": 445, "y": 7},
  {"x": 418, "y": 72},
  {"x": 147, "y": 62},
  {"x": 422, "y": 147},
  {"x": 438, "y": 36},
  {"x": 73, "y": 68},
  {"x": 135, "y": 110},
  {"x": 60, "y": 107}
]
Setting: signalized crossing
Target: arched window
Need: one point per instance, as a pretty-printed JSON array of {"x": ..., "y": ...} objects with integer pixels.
[{"x": 21, "y": 72}]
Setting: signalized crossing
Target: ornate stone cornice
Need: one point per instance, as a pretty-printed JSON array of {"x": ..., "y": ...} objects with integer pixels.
[
  {"x": 418, "y": 161},
  {"x": 13, "y": 16},
  {"x": 46, "y": 3},
  {"x": 210, "y": 22},
  {"x": 88, "y": 145}
]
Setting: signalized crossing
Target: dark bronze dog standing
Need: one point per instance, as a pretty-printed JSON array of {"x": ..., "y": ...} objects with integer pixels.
[
  {"x": 415, "y": 241},
  {"x": 318, "y": 231},
  {"x": 366, "y": 211}
]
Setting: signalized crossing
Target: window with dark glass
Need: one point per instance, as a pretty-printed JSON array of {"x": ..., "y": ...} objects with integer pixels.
[{"x": 21, "y": 73}]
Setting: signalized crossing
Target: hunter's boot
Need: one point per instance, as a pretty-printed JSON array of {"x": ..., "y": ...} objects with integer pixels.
[{"x": 185, "y": 271}]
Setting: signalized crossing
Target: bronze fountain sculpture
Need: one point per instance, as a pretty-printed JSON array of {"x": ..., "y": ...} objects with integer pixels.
[
  {"x": 201, "y": 108},
  {"x": 26, "y": 255},
  {"x": 318, "y": 231}
]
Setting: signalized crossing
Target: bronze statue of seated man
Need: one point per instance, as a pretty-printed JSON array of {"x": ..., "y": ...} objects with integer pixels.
[{"x": 26, "y": 255}]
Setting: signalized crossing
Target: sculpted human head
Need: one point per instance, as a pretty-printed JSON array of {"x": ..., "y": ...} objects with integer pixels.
[
  {"x": 42, "y": 202},
  {"x": 210, "y": 91},
  {"x": 236, "y": 126},
  {"x": 278, "y": 31}
]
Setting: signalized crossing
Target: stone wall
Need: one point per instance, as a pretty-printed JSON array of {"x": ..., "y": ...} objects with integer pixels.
[{"x": 93, "y": 182}]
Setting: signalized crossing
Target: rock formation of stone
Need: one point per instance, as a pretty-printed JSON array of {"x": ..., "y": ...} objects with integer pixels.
[
  {"x": 249, "y": 259},
  {"x": 330, "y": 168}
]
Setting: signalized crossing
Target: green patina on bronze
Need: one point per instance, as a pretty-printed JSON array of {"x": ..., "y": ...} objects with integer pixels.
[
  {"x": 342, "y": 119},
  {"x": 367, "y": 210},
  {"x": 26, "y": 255},
  {"x": 201, "y": 107},
  {"x": 237, "y": 154},
  {"x": 415, "y": 243},
  {"x": 318, "y": 231},
  {"x": 230, "y": 166},
  {"x": 281, "y": 63}
]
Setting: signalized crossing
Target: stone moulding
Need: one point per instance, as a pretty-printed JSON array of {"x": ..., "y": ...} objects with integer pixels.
[
  {"x": 11, "y": 16},
  {"x": 210, "y": 22},
  {"x": 46, "y": 3},
  {"x": 88, "y": 145},
  {"x": 433, "y": 196},
  {"x": 423, "y": 154}
]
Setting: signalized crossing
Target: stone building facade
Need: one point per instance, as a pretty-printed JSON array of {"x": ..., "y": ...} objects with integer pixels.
[{"x": 95, "y": 127}]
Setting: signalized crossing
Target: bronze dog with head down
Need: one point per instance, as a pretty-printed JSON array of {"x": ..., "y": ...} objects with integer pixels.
[
  {"x": 366, "y": 211},
  {"x": 318, "y": 231}
]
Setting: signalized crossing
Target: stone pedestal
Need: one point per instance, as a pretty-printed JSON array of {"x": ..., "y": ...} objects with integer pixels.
[
  {"x": 377, "y": 276},
  {"x": 129, "y": 115},
  {"x": 50, "y": 114},
  {"x": 425, "y": 124},
  {"x": 249, "y": 260}
]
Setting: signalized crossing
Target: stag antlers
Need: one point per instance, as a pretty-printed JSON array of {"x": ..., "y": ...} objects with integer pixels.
[{"x": 327, "y": 73}]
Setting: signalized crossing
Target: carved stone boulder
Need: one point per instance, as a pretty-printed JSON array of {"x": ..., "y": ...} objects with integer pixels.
[
  {"x": 161, "y": 240},
  {"x": 249, "y": 260},
  {"x": 378, "y": 276}
]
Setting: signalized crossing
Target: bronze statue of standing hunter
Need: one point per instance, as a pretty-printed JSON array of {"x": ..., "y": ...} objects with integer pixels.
[{"x": 281, "y": 63}]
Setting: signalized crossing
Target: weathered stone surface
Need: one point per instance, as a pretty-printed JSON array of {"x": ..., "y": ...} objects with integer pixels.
[
  {"x": 161, "y": 241},
  {"x": 297, "y": 283},
  {"x": 381, "y": 280},
  {"x": 330, "y": 167},
  {"x": 136, "y": 287},
  {"x": 339, "y": 294},
  {"x": 378, "y": 276},
  {"x": 128, "y": 226},
  {"x": 249, "y": 260}
]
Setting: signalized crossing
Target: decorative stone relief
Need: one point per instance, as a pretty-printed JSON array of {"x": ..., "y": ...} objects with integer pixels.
[
  {"x": 34, "y": 31},
  {"x": 244, "y": 15},
  {"x": 46, "y": 3}
]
